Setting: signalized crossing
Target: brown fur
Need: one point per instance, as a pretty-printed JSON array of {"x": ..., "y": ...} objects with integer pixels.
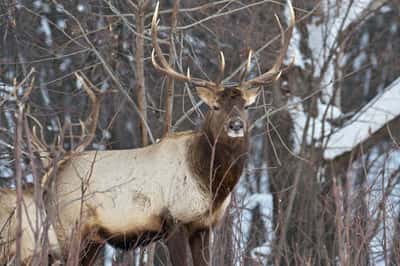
[
  {"x": 129, "y": 240},
  {"x": 221, "y": 173}
]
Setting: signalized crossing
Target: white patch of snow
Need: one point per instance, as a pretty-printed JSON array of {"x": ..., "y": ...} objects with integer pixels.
[
  {"x": 29, "y": 178},
  {"x": 359, "y": 60},
  {"x": 65, "y": 64},
  {"x": 104, "y": 86},
  {"x": 323, "y": 37},
  {"x": 364, "y": 42},
  {"x": 80, "y": 8},
  {"x": 59, "y": 8},
  {"x": 129, "y": 126},
  {"x": 5, "y": 170},
  {"x": 374, "y": 60},
  {"x": 106, "y": 134},
  {"x": 367, "y": 82},
  {"x": 37, "y": 4},
  {"x": 294, "y": 46},
  {"x": 195, "y": 42},
  {"x": 109, "y": 253},
  {"x": 265, "y": 202},
  {"x": 393, "y": 28},
  {"x": 332, "y": 112},
  {"x": 61, "y": 23},
  {"x": 380, "y": 167},
  {"x": 45, "y": 95},
  {"x": 10, "y": 121},
  {"x": 318, "y": 128},
  {"x": 244, "y": 201},
  {"x": 78, "y": 84},
  {"x": 382, "y": 109},
  {"x": 261, "y": 253},
  {"x": 10, "y": 75},
  {"x": 99, "y": 146},
  {"x": 385, "y": 9},
  {"x": 45, "y": 28},
  {"x": 6, "y": 92}
]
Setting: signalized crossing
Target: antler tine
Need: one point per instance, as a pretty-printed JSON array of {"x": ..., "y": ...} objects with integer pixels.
[
  {"x": 221, "y": 68},
  {"x": 164, "y": 66},
  {"x": 276, "y": 71},
  {"x": 246, "y": 70},
  {"x": 90, "y": 124}
]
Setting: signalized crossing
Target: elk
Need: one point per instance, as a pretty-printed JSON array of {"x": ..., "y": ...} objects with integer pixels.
[{"x": 129, "y": 198}]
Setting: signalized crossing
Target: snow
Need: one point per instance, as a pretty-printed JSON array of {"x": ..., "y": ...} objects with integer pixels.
[
  {"x": 294, "y": 45},
  {"x": 80, "y": 8},
  {"x": 109, "y": 253},
  {"x": 29, "y": 178},
  {"x": 5, "y": 168},
  {"x": 60, "y": 8},
  {"x": 323, "y": 37},
  {"x": 385, "y": 9},
  {"x": 244, "y": 202},
  {"x": 360, "y": 60},
  {"x": 260, "y": 253},
  {"x": 381, "y": 110},
  {"x": 319, "y": 127},
  {"x": 65, "y": 64},
  {"x": 45, "y": 28},
  {"x": 61, "y": 23},
  {"x": 393, "y": 28},
  {"x": 380, "y": 165},
  {"x": 264, "y": 200},
  {"x": 37, "y": 4},
  {"x": 6, "y": 92}
]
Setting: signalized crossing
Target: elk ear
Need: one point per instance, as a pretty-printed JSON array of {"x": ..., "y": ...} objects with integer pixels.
[
  {"x": 250, "y": 95},
  {"x": 206, "y": 95}
]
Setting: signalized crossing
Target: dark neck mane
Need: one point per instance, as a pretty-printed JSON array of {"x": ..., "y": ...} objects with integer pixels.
[{"x": 217, "y": 162}]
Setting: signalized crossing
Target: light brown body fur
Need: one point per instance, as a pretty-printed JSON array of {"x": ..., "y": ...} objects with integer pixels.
[{"x": 8, "y": 225}]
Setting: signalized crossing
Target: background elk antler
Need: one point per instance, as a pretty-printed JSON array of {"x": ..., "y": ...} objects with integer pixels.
[
  {"x": 54, "y": 155},
  {"x": 275, "y": 71}
]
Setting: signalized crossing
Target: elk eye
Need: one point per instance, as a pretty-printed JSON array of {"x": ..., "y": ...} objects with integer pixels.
[
  {"x": 246, "y": 107},
  {"x": 216, "y": 108}
]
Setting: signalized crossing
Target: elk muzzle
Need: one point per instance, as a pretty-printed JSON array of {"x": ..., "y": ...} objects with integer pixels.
[{"x": 235, "y": 127}]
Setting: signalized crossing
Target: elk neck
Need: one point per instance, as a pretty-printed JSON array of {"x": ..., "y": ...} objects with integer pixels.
[{"x": 218, "y": 162}]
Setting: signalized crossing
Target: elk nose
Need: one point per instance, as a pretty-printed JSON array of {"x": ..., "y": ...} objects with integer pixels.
[{"x": 236, "y": 125}]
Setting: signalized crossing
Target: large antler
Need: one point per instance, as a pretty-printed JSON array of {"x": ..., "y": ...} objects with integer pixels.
[
  {"x": 164, "y": 66},
  {"x": 275, "y": 71},
  {"x": 89, "y": 126},
  {"x": 56, "y": 156}
]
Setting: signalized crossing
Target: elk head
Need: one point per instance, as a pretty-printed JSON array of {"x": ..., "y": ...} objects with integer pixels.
[{"x": 227, "y": 116}]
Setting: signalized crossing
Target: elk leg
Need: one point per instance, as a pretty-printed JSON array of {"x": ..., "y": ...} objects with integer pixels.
[
  {"x": 176, "y": 240},
  {"x": 169, "y": 223},
  {"x": 177, "y": 247},
  {"x": 199, "y": 245},
  {"x": 89, "y": 253}
]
